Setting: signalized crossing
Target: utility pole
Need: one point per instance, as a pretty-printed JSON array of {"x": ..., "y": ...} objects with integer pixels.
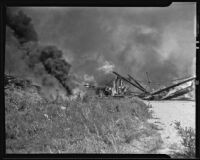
[{"x": 149, "y": 83}]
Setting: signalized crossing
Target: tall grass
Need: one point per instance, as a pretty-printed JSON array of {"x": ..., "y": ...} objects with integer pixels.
[{"x": 87, "y": 125}]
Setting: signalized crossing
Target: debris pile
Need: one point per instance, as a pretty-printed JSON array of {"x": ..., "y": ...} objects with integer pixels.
[
  {"x": 121, "y": 87},
  {"x": 21, "y": 83}
]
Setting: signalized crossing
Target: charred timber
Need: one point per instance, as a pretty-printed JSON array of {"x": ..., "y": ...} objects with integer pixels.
[
  {"x": 139, "y": 85},
  {"x": 128, "y": 81},
  {"x": 178, "y": 93},
  {"x": 16, "y": 81},
  {"x": 172, "y": 86}
]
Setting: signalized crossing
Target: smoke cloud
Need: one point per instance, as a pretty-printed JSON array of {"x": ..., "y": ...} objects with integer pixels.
[
  {"x": 133, "y": 41},
  {"x": 25, "y": 55},
  {"x": 21, "y": 25},
  {"x": 107, "y": 67},
  {"x": 52, "y": 60}
]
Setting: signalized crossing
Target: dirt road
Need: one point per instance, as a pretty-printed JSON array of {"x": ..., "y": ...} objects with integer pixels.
[{"x": 165, "y": 113}]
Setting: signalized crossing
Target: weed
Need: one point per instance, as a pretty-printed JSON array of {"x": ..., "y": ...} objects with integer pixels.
[
  {"x": 87, "y": 125},
  {"x": 188, "y": 141}
]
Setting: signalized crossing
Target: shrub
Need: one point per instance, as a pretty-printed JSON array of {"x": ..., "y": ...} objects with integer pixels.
[{"x": 188, "y": 141}]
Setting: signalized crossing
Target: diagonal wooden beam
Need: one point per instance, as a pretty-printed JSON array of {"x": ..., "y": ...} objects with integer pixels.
[
  {"x": 139, "y": 85},
  {"x": 172, "y": 86},
  {"x": 128, "y": 81},
  {"x": 178, "y": 93}
]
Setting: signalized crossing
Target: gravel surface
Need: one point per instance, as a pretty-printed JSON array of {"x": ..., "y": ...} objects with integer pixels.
[{"x": 165, "y": 113}]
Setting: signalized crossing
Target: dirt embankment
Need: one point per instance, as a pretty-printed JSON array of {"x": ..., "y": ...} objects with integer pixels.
[{"x": 165, "y": 113}]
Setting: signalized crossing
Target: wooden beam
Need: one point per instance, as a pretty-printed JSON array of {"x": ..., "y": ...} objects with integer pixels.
[
  {"x": 139, "y": 85},
  {"x": 127, "y": 80},
  {"x": 172, "y": 86}
]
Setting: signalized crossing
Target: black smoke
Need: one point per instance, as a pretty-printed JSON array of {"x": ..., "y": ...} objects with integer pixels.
[
  {"x": 26, "y": 58},
  {"x": 22, "y": 26},
  {"x": 52, "y": 60},
  {"x": 135, "y": 40},
  {"x": 159, "y": 41}
]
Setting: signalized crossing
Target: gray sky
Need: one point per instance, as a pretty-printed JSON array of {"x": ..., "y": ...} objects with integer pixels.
[{"x": 131, "y": 40}]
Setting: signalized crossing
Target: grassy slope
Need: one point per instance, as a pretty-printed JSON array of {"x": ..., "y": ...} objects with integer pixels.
[{"x": 90, "y": 125}]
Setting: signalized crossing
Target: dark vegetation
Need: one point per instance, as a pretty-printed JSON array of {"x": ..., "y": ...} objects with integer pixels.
[{"x": 88, "y": 125}]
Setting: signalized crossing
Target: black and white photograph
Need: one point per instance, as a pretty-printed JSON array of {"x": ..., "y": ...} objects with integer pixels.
[{"x": 100, "y": 80}]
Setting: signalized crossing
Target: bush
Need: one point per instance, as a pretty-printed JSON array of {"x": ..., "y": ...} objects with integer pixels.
[{"x": 188, "y": 141}]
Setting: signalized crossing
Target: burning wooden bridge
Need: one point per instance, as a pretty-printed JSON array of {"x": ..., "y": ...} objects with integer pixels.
[{"x": 119, "y": 88}]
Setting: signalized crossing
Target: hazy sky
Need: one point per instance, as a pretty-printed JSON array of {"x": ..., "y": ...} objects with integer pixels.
[{"x": 129, "y": 40}]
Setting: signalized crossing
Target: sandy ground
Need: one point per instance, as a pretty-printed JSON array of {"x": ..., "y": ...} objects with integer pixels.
[{"x": 165, "y": 113}]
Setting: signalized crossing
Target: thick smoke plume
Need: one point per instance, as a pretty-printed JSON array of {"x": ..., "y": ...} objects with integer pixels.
[
  {"x": 26, "y": 58},
  {"x": 132, "y": 41},
  {"x": 52, "y": 60},
  {"x": 21, "y": 25},
  {"x": 159, "y": 41}
]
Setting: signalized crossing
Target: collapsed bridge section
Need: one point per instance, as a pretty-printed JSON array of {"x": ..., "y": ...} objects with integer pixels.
[{"x": 120, "y": 88}]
